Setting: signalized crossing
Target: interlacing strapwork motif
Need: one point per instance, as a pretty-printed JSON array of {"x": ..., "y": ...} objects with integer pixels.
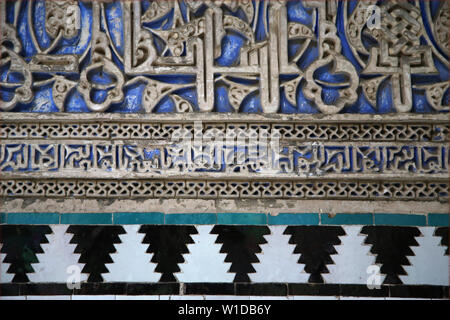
[
  {"x": 224, "y": 56},
  {"x": 152, "y": 99}
]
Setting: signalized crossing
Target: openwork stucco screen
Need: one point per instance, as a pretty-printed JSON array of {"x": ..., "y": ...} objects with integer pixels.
[{"x": 216, "y": 106}]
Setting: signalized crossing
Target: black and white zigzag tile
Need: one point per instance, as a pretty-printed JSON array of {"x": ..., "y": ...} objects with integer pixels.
[{"x": 223, "y": 254}]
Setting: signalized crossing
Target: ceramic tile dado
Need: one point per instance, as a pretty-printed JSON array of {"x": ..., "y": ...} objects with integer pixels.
[{"x": 257, "y": 260}]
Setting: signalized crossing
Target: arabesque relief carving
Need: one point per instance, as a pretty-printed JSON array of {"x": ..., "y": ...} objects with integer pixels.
[
  {"x": 224, "y": 56},
  {"x": 302, "y": 99}
]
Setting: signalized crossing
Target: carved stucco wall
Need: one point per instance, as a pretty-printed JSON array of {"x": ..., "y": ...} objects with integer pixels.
[{"x": 283, "y": 108}]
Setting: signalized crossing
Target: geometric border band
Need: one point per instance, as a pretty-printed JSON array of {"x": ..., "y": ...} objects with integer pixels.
[{"x": 225, "y": 218}]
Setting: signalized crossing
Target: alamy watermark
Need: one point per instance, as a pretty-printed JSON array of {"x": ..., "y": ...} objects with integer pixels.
[
  {"x": 374, "y": 279},
  {"x": 74, "y": 279}
]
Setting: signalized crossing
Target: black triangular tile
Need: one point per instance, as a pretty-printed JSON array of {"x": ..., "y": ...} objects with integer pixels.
[
  {"x": 241, "y": 243},
  {"x": 20, "y": 244},
  {"x": 392, "y": 246},
  {"x": 168, "y": 244},
  {"x": 95, "y": 244},
  {"x": 315, "y": 245}
]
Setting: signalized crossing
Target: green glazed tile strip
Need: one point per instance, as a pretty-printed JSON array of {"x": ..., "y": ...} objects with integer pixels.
[
  {"x": 400, "y": 219},
  {"x": 242, "y": 218},
  {"x": 191, "y": 218},
  {"x": 32, "y": 218},
  {"x": 238, "y": 218},
  {"x": 347, "y": 219},
  {"x": 294, "y": 219},
  {"x": 86, "y": 218},
  {"x": 138, "y": 218},
  {"x": 438, "y": 219}
]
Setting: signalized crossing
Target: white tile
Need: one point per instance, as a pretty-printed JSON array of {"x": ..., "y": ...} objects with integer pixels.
[
  {"x": 48, "y": 297},
  {"x": 212, "y": 297},
  {"x": 137, "y": 297},
  {"x": 13, "y": 298},
  {"x": 313, "y": 298},
  {"x": 5, "y": 277},
  {"x": 267, "y": 298},
  {"x": 362, "y": 298},
  {"x": 187, "y": 298},
  {"x": 352, "y": 259},
  {"x": 58, "y": 262},
  {"x": 277, "y": 261},
  {"x": 132, "y": 249},
  {"x": 164, "y": 297},
  {"x": 204, "y": 262},
  {"x": 93, "y": 297},
  {"x": 392, "y": 298},
  {"x": 421, "y": 271}
]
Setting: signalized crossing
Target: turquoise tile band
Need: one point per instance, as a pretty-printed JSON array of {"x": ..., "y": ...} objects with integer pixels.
[
  {"x": 294, "y": 219},
  {"x": 138, "y": 218},
  {"x": 86, "y": 218},
  {"x": 347, "y": 218},
  {"x": 2, "y": 217},
  {"x": 438, "y": 219},
  {"x": 388, "y": 219},
  {"x": 242, "y": 218},
  {"x": 32, "y": 218},
  {"x": 226, "y": 218},
  {"x": 191, "y": 218}
]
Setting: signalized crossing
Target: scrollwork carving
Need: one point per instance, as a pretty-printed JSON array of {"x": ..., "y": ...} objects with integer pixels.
[
  {"x": 231, "y": 56},
  {"x": 62, "y": 16}
]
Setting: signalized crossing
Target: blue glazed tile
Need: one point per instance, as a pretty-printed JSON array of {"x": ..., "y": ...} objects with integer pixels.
[
  {"x": 2, "y": 217},
  {"x": 242, "y": 218},
  {"x": 294, "y": 219},
  {"x": 438, "y": 219},
  {"x": 191, "y": 218},
  {"x": 86, "y": 218},
  {"x": 347, "y": 218},
  {"x": 32, "y": 218},
  {"x": 138, "y": 218},
  {"x": 391, "y": 219}
]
